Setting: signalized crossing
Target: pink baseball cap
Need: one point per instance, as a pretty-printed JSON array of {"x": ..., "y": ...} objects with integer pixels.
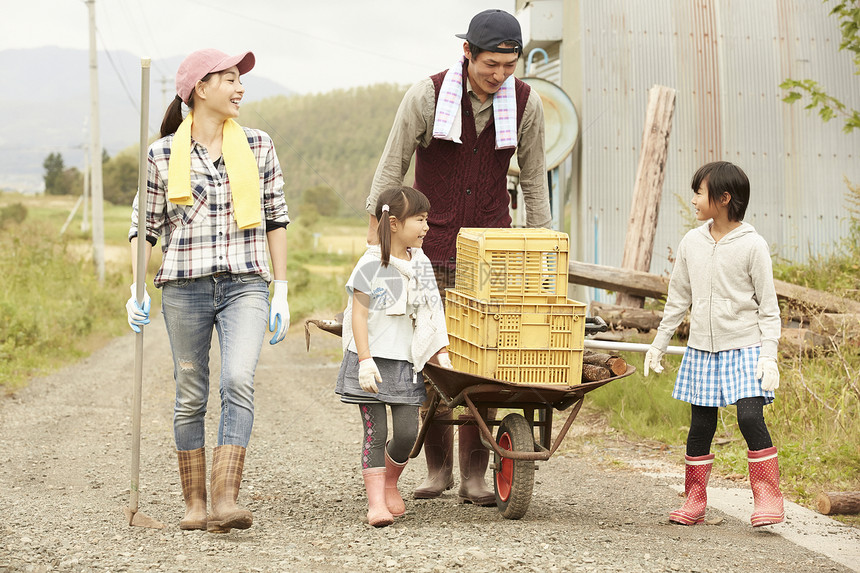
[{"x": 195, "y": 67}]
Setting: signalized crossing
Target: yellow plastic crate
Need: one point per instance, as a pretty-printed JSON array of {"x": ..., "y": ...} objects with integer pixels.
[
  {"x": 534, "y": 366},
  {"x": 515, "y": 325},
  {"x": 516, "y": 342},
  {"x": 512, "y": 265}
]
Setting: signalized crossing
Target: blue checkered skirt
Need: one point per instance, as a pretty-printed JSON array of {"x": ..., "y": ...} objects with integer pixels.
[{"x": 719, "y": 378}]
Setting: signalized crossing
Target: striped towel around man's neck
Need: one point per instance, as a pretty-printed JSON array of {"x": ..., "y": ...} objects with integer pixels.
[{"x": 447, "y": 123}]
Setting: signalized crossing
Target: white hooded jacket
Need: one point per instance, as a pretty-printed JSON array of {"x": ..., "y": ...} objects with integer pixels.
[{"x": 728, "y": 288}]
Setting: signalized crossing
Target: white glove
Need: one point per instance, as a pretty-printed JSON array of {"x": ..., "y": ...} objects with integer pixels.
[
  {"x": 138, "y": 315},
  {"x": 652, "y": 360},
  {"x": 444, "y": 360},
  {"x": 767, "y": 371},
  {"x": 368, "y": 375},
  {"x": 279, "y": 312}
]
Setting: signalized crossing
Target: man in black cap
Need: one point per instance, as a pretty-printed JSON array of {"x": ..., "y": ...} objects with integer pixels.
[{"x": 464, "y": 125}]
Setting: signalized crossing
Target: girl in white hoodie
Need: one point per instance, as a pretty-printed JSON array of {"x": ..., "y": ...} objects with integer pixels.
[
  {"x": 723, "y": 275},
  {"x": 393, "y": 324}
]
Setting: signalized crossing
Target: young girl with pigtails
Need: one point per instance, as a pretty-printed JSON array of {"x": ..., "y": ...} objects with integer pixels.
[
  {"x": 723, "y": 275},
  {"x": 393, "y": 324}
]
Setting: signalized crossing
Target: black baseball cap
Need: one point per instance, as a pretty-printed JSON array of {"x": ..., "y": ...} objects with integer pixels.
[{"x": 490, "y": 28}]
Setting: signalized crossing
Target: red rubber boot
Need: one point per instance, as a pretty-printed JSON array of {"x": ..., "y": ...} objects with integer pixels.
[
  {"x": 697, "y": 472},
  {"x": 764, "y": 480}
]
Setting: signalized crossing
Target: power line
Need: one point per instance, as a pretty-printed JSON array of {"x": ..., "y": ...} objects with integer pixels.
[{"x": 349, "y": 46}]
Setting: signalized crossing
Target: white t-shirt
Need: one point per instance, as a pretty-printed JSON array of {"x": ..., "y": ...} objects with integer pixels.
[{"x": 389, "y": 335}]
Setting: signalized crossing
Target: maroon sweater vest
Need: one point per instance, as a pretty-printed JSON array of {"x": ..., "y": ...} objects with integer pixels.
[{"x": 465, "y": 182}]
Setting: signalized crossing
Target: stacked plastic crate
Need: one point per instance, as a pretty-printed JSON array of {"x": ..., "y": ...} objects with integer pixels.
[{"x": 508, "y": 314}]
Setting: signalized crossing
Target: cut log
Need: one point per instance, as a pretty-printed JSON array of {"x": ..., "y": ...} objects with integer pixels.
[
  {"x": 614, "y": 364},
  {"x": 798, "y": 341},
  {"x": 648, "y": 187},
  {"x": 639, "y": 283},
  {"x": 592, "y": 373},
  {"x": 625, "y": 317},
  {"x": 838, "y": 502},
  {"x": 815, "y": 299},
  {"x": 845, "y": 326}
]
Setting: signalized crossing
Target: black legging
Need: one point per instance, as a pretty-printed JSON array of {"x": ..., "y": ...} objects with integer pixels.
[
  {"x": 374, "y": 422},
  {"x": 703, "y": 425}
]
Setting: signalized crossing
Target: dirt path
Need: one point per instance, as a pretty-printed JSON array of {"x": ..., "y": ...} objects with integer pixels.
[{"x": 64, "y": 475}]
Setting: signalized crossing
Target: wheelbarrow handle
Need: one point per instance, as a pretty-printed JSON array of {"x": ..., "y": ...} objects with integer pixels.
[{"x": 628, "y": 346}]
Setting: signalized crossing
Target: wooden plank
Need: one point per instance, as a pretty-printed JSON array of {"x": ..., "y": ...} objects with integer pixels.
[
  {"x": 639, "y": 283},
  {"x": 648, "y": 187}
]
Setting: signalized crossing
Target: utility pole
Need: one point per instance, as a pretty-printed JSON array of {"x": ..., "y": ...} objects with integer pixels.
[
  {"x": 96, "y": 152},
  {"x": 85, "y": 220}
]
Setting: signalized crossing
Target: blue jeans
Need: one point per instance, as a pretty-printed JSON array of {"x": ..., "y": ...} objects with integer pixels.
[{"x": 238, "y": 307}]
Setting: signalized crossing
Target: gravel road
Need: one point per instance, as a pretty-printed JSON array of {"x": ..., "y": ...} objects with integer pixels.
[{"x": 64, "y": 477}]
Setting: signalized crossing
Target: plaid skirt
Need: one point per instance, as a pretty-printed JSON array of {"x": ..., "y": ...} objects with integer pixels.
[{"x": 719, "y": 378}]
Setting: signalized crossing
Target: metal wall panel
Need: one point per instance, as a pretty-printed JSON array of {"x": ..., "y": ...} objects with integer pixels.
[{"x": 726, "y": 59}]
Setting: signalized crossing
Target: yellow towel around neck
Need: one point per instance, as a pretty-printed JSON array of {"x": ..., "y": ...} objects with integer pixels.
[{"x": 239, "y": 160}]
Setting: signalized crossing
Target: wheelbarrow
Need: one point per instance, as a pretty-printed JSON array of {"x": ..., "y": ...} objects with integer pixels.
[{"x": 515, "y": 448}]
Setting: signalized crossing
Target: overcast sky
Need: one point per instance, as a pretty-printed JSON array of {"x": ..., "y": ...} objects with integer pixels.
[{"x": 306, "y": 45}]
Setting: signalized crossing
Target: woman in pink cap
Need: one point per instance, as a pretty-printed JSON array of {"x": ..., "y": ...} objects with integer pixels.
[{"x": 215, "y": 198}]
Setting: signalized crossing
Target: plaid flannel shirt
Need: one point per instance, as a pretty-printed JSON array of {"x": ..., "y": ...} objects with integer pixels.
[{"x": 203, "y": 239}]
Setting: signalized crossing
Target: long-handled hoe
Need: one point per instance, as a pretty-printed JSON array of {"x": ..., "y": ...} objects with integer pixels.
[{"x": 135, "y": 517}]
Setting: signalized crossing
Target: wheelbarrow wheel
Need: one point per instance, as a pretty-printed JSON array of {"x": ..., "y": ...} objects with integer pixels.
[{"x": 514, "y": 479}]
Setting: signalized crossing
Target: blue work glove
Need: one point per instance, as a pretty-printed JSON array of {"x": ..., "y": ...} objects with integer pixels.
[
  {"x": 137, "y": 315},
  {"x": 279, "y": 312}
]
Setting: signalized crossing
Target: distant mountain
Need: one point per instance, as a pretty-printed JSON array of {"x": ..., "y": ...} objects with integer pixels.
[{"x": 47, "y": 105}]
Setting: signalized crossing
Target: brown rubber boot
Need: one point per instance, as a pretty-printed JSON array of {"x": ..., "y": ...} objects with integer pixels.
[
  {"x": 227, "y": 466},
  {"x": 439, "y": 453},
  {"x": 192, "y": 474},
  {"x": 377, "y": 510},
  {"x": 474, "y": 458}
]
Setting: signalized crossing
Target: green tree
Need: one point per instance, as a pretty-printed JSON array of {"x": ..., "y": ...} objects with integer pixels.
[
  {"x": 848, "y": 14},
  {"x": 54, "y": 180},
  {"x": 60, "y": 180},
  {"x": 119, "y": 176}
]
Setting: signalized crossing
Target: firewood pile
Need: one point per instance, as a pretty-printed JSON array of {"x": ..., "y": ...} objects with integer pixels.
[{"x": 599, "y": 366}]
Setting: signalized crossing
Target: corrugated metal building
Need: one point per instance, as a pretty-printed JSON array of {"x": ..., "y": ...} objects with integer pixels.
[{"x": 725, "y": 59}]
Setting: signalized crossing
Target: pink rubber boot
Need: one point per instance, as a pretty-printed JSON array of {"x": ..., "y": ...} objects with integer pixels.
[
  {"x": 392, "y": 495},
  {"x": 377, "y": 512}
]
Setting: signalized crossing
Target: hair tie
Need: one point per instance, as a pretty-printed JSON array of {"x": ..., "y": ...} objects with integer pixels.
[
  {"x": 184, "y": 109},
  {"x": 385, "y": 208}
]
